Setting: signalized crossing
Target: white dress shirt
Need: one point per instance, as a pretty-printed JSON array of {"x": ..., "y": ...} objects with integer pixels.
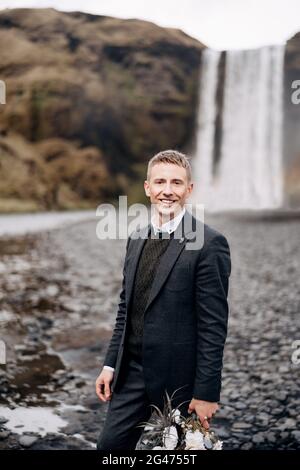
[{"x": 169, "y": 227}]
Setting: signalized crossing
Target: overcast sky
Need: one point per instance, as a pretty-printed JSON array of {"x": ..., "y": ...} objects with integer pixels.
[{"x": 220, "y": 24}]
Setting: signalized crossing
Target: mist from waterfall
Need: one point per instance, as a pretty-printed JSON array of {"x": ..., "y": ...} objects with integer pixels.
[{"x": 238, "y": 160}]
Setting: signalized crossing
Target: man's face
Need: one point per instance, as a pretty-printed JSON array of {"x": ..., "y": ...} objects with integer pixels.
[{"x": 168, "y": 189}]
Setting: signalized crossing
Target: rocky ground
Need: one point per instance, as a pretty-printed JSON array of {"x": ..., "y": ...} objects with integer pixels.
[{"x": 58, "y": 297}]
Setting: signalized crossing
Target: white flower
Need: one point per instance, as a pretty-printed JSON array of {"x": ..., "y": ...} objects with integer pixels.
[
  {"x": 170, "y": 437},
  {"x": 218, "y": 445},
  {"x": 177, "y": 416},
  {"x": 194, "y": 440}
]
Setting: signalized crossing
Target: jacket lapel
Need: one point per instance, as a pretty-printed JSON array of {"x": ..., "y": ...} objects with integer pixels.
[{"x": 132, "y": 267}]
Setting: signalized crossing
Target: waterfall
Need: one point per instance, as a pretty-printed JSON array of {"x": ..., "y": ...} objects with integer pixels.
[{"x": 248, "y": 172}]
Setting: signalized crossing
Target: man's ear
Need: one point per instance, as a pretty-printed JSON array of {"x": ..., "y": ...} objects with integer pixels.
[
  {"x": 190, "y": 189},
  {"x": 146, "y": 187}
]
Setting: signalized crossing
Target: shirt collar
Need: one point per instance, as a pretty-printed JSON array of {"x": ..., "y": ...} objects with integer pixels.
[{"x": 169, "y": 226}]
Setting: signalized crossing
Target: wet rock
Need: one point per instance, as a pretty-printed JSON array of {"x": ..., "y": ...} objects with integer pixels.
[
  {"x": 222, "y": 432},
  {"x": 282, "y": 395},
  {"x": 258, "y": 438},
  {"x": 288, "y": 423},
  {"x": 262, "y": 416},
  {"x": 223, "y": 413},
  {"x": 271, "y": 437},
  {"x": 240, "y": 406},
  {"x": 294, "y": 412},
  {"x": 277, "y": 411},
  {"x": 247, "y": 446},
  {"x": 45, "y": 322},
  {"x": 27, "y": 441},
  {"x": 4, "y": 434},
  {"x": 52, "y": 290},
  {"x": 296, "y": 435},
  {"x": 241, "y": 426}
]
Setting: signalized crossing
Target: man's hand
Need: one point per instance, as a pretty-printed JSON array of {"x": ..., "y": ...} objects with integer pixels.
[
  {"x": 103, "y": 384},
  {"x": 204, "y": 410}
]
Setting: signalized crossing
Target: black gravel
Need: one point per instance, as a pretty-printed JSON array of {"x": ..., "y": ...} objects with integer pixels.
[{"x": 59, "y": 293}]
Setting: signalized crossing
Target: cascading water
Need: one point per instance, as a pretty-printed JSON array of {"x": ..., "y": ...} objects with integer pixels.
[{"x": 248, "y": 171}]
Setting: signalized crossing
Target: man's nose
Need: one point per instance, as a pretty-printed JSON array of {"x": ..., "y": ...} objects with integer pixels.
[{"x": 167, "y": 190}]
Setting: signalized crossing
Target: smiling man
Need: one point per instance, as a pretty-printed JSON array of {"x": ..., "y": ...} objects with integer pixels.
[
  {"x": 168, "y": 187},
  {"x": 171, "y": 323}
]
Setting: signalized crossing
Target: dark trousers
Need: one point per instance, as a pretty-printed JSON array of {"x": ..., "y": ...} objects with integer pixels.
[{"x": 128, "y": 407}]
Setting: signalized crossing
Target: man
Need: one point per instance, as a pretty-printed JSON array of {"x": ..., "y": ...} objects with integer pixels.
[{"x": 171, "y": 324}]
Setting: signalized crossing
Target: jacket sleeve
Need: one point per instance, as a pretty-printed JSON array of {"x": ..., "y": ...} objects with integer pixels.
[
  {"x": 212, "y": 281},
  {"x": 113, "y": 348}
]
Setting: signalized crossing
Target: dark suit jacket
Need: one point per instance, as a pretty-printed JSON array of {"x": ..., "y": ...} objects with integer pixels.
[{"x": 185, "y": 320}]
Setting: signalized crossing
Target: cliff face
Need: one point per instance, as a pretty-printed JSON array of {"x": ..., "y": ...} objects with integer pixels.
[{"x": 89, "y": 99}]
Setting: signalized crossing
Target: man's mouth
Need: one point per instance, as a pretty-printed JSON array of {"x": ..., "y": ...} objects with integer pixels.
[{"x": 168, "y": 202}]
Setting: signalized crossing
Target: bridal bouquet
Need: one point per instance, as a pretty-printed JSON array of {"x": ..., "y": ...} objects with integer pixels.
[{"x": 169, "y": 430}]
